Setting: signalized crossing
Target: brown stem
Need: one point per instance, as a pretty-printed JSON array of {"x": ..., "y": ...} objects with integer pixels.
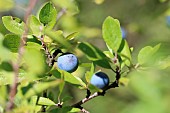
[
  {"x": 13, "y": 89},
  {"x": 78, "y": 104},
  {"x": 50, "y": 58},
  {"x": 84, "y": 110},
  {"x": 29, "y": 9},
  {"x": 60, "y": 14}
]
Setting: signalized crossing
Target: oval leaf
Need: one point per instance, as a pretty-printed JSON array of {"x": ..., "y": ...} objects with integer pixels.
[
  {"x": 95, "y": 54},
  {"x": 71, "y": 36},
  {"x": 36, "y": 64},
  {"x": 103, "y": 63},
  {"x": 58, "y": 37},
  {"x": 72, "y": 79},
  {"x": 13, "y": 24},
  {"x": 144, "y": 54},
  {"x": 12, "y": 42},
  {"x": 35, "y": 25},
  {"x": 4, "y": 52},
  {"x": 90, "y": 73},
  {"x": 125, "y": 53},
  {"x": 92, "y": 52},
  {"x": 48, "y": 14},
  {"x": 147, "y": 54},
  {"x": 112, "y": 33},
  {"x": 45, "y": 101}
]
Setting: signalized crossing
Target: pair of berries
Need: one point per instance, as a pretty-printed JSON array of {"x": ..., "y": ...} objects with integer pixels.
[{"x": 69, "y": 63}]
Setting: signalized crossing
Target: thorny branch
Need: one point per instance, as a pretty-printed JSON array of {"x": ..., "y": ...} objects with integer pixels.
[
  {"x": 50, "y": 57},
  {"x": 61, "y": 13},
  {"x": 13, "y": 89},
  {"x": 50, "y": 61}
]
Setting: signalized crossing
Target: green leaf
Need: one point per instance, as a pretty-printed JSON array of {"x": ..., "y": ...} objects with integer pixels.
[
  {"x": 85, "y": 65},
  {"x": 103, "y": 63},
  {"x": 125, "y": 53},
  {"x": 95, "y": 54},
  {"x": 94, "y": 88},
  {"x": 32, "y": 38},
  {"x": 33, "y": 45},
  {"x": 131, "y": 49},
  {"x": 65, "y": 109},
  {"x": 35, "y": 25},
  {"x": 48, "y": 15},
  {"x": 71, "y": 36},
  {"x": 112, "y": 33},
  {"x": 3, "y": 96},
  {"x": 13, "y": 24},
  {"x": 6, "y": 77},
  {"x": 72, "y": 79},
  {"x": 44, "y": 101},
  {"x": 39, "y": 87},
  {"x": 12, "y": 42},
  {"x": 4, "y": 52},
  {"x": 6, "y": 66},
  {"x": 56, "y": 74},
  {"x": 92, "y": 52},
  {"x": 61, "y": 87},
  {"x": 90, "y": 73},
  {"x": 147, "y": 55},
  {"x": 34, "y": 61},
  {"x": 24, "y": 89},
  {"x": 109, "y": 54},
  {"x": 33, "y": 103},
  {"x": 58, "y": 38}
]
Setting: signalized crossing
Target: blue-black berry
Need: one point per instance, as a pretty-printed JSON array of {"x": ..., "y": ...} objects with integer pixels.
[
  {"x": 67, "y": 62},
  {"x": 100, "y": 80}
]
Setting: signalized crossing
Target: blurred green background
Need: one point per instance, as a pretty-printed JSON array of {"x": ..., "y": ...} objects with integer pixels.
[{"x": 145, "y": 22}]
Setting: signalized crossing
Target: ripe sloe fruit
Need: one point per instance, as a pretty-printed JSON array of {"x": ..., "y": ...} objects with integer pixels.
[
  {"x": 67, "y": 62},
  {"x": 100, "y": 80}
]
